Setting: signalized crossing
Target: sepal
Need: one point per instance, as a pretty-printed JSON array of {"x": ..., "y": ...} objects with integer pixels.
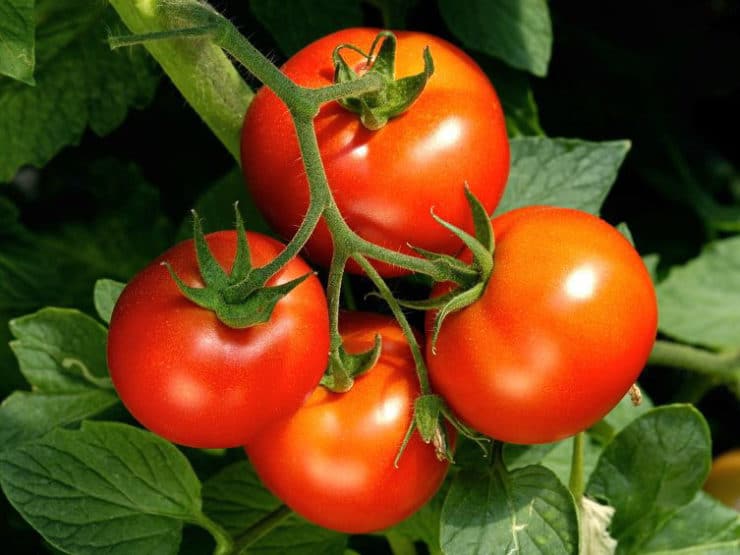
[
  {"x": 344, "y": 367},
  {"x": 240, "y": 298},
  {"x": 397, "y": 96},
  {"x": 481, "y": 247},
  {"x": 258, "y": 306}
]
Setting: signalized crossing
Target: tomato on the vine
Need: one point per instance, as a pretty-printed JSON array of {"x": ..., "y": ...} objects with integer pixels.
[
  {"x": 564, "y": 327},
  {"x": 332, "y": 462},
  {"x": 384, "y": 182},
  {"x": 195, "y": 381}
]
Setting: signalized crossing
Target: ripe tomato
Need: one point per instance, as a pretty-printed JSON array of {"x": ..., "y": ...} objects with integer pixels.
[
  {"x": 384, "y": 182},
  {"x": 332, "y": 461},
  {"x": 195, "y": 381},
  {"x": 564, "y": 327},
  {"x": 724, "y": 479}
]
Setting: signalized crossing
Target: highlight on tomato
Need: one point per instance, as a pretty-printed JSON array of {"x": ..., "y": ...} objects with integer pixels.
[
  {"x": 384, "y": 181},
  {"x": 196, "y": 381},
  {"x": 332, "y": 461},
  {"x": 562, "y": 330}
]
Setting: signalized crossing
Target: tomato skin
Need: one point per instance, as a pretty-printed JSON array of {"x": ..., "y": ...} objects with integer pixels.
[
  {"x": 723, "y": 482},
  {"x": 564, "y": 327},
  {"x": 332, "y": 461},
  {"x": 384, "y": 182},
  {"x": 197, "y": 382}
]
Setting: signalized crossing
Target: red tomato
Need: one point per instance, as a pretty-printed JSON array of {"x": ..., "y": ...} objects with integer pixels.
[
  {"x": 385, "y": 182},
  {"x": 332, "y": 461},
  {"x": 724, "y": 480},
  {"x": 564, "y": 327},
  {"x": 195, "y": 381}
]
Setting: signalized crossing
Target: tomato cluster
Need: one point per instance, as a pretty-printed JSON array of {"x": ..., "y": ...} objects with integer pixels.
[{"x": 563, "y": 326}]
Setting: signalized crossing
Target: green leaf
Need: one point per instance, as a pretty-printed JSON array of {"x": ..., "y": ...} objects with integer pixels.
[
  {"x": 624, "y": 229},
  {"x": 297, "y": 23},
  {"x": 25, "y": 416},
  {"x": 561, "y": 172},
  {"x": 17, "y": 41},
  {"x": 650, "y": 470},
  {"x": 61, "y": 350},
  {"x": 700, "y": 524},
  {"x": 113, "y": 243},
  {"x": 105, "y": 295},
  {"x": 517, "y": 31},
  {"x": 60, "y": 265},
  {"x": 106, "y": 488},
  {"x": 700, "y": 302},
  {"x": 722, "y": 548},
  {"x": 424, "y": 524},
  {"x": 554, "y": 456},
  {"x": 625, "y": 412},
  {"x": 516, "y": 96},
  {"x": 9, "y": 224},
  {"x": 237, "y": 500},
  {"x": 527, "y": 510},
  {"x": 80, "y": 82},
  {"x": 651, "y": 262}
]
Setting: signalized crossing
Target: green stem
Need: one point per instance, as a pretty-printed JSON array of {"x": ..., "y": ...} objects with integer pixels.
[
  {"x": 395, "y": 258},
  {"x": 385, "y": 292},
  {"x": 370, "y": 82},
  {"x": 400, "y": 544},
  {"x": 333, "y": 296},
  {"x": 261, "y": 529},
  {"x": 301, "y": 101},
  {"x": 224, "y": 542},
  {"x": 720, "y": 365},
  {"x": 199, "y": 69},
  {"x": 319, "y": 195},
  {"x": 341, "y": 380},
  {"x": 577, "y": 483}
]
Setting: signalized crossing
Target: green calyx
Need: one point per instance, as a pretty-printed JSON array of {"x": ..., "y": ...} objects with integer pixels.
[
  {"x": 430, "y": 413},
  {"x": 240, "y": 298},
  {"x": 471, "y": 278},
  {"x": 376, "y": 108}
]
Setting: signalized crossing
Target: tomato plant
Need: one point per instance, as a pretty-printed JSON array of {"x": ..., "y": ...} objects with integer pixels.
[
  {"x": 118, "y": 117},
  {"x": 383, "y": 179},
  {"x": 565, "y": 326},
  {"x": 190, "y": 378},
  {"x": 333, "y": 461}
]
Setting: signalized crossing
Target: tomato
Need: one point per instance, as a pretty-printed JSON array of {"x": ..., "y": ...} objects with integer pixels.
[
  {"x": 564, "y": 327},
  {"x": 332, "y": 462},
  {"x": 384, "y": 182},
  {"x": 195, "y": 381},
  {"x": 724, "y": 480}
]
